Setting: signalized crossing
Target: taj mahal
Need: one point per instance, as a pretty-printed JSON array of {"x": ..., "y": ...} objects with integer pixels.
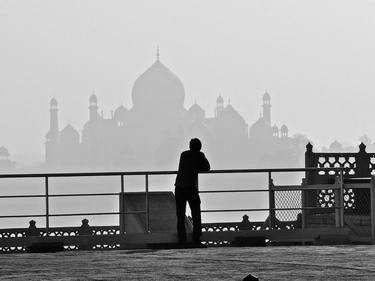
[{"x": 152, "y": 133}]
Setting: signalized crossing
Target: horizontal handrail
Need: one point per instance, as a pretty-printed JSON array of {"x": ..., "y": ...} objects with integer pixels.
[
  {"x": 267, "y": 209},
  {"x": 60, "y": 195},
  {"x": 76, "y": 214},
  {"x": 139, "y": 173},
  {"x": 233, "y": 191}
]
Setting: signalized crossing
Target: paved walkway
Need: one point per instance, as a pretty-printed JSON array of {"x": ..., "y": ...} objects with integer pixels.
[{"x": 268, "y": 263}]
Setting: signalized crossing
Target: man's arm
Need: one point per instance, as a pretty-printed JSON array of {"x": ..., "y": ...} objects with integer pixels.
[
  {"x": 180, "y": 162},
  {"x": 204, "y": 165}
]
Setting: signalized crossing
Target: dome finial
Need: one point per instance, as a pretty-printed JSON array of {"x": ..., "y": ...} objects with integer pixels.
[{"x": 157, "y": 53}]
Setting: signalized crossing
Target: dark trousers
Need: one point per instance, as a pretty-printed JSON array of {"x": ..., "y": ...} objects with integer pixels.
[{"x": 190, "y": 195}]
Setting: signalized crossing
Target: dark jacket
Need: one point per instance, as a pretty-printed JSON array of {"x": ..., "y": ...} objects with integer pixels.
[{"x": 191, "y": 162}]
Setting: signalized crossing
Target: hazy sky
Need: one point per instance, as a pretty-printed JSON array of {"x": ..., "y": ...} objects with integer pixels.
[{"x": 316, "y": 59}]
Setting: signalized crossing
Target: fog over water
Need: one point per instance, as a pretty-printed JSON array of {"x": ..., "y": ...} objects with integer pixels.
[{"x": 314, "y": 58}]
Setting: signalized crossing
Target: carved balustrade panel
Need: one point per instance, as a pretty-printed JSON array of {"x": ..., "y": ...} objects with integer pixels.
[
  {"x": 60, "y": 232},
  {"x": 358, "y": 166}
]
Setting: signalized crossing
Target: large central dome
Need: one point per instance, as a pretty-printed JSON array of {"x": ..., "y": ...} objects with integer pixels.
[{"x": 158, "y": 86}]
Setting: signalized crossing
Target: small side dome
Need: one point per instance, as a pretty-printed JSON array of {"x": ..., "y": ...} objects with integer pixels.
[
  {"x": 4, "y": 152},
  {"x": 266, "y": 96},
  {"x": 121, "y": 113},
  {"x": 229, "y": 113},
  {"x": 335, "y": 146},
  {"x": 284, "y": 129},
  {"x": 53, "y": 102},
  {"x": 259, "y": 125},
  {"x": 220, "y": 100},
  {"x": 196, "y": 112},
  {"x": 196, "y": 108},
  {"x": 93, "y": 99},
  {"x": 260, "y": 130},
  {"x": 69, "y": 135}
]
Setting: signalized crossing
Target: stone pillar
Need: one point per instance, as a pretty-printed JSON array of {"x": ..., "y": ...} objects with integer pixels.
[
  {"x": 245, "y": 224},
  {"x": 362, "y": 169},
  {"x": 32, "y": 230},
  {"x": 338, "y": 202},
  {"x": 122, "y": 212},
  {"x": 372, "y": 198},
  {"x": 85, "y": 230},
  {"x": 309, "y": 197}
]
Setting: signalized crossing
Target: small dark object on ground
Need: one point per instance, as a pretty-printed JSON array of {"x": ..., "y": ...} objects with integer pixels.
[
  {"x": 43, "y": 247},
  {"x": 249, "y": 241},
  {"x": 250, "y": 278}
]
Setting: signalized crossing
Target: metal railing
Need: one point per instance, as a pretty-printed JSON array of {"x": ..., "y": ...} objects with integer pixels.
[{"x": 339, "y": 189}]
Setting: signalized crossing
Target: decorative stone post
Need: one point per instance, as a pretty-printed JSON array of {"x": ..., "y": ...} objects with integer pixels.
[
  {"x": 32, "y": 230},
  {"x": 245, "y": 224},
  {"x": 309, "y": 196},
  {"x": 85, "y": 228},
  {"x": 362, "y": 168},
  {"x": 85, "y": 231}
]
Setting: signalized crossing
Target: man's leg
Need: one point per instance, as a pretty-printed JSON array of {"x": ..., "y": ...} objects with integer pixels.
[
  {"x": 180, "y": 211},
  {"x": 195, "y": 206}
]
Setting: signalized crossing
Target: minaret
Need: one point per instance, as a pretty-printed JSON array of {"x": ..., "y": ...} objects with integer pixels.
[
  {"x": 93, "y": 107},
  {"x": 54, "y": 121},
  {"x": 267, "y": 108},
  {"x": 52, "y": 142},
  {"x": 219, "y": 105}
]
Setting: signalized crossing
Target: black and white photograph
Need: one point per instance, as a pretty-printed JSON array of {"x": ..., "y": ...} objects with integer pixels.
[{"x": 187, "y": 140}]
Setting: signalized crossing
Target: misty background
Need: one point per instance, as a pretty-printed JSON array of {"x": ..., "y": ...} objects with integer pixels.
[{"x": 314, "y": 58}]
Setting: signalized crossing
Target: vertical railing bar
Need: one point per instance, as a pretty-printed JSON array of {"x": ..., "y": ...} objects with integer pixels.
[
  {"x": 303, "y": 202},
  {"x": 47, "y": 204},
  {"x": 271, "y": 201},
  {"x": 122, "y": 206},
  {"x": 122, "y": 184},
  {"x": 337, "y": 201},
  {"x": 372, "y": 207},
  {"x": 342, "y": 209},
  {"x": 147, "y": 205}
]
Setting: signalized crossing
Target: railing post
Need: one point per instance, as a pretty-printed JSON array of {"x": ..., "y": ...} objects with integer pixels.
[
  {"x": 303, "y": 202},
  {"x": 47, "y": 204},
  {"x": 337, "y": 206},
  {"x": 271, "y": 201},
  {"x": 372, "y": 192},
  {"x": 342, "y": 207},
  {"x": 147, "y": 206},
  {"x": 122, "y": 206}
]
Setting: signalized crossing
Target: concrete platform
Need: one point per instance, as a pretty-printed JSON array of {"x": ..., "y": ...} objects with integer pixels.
[{"x": 309, "y": 263}]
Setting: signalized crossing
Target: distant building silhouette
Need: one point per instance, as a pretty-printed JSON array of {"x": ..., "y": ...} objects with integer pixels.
[
  {"x": 5, "y": 162},
  {"x": 151, "y": 133}
]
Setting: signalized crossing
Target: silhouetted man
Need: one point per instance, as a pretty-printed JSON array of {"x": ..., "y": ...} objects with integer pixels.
[{"x": 191, "y": 162}]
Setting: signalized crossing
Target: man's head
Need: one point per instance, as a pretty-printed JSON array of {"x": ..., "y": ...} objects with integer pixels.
[{"x": 195, "y": 145}]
